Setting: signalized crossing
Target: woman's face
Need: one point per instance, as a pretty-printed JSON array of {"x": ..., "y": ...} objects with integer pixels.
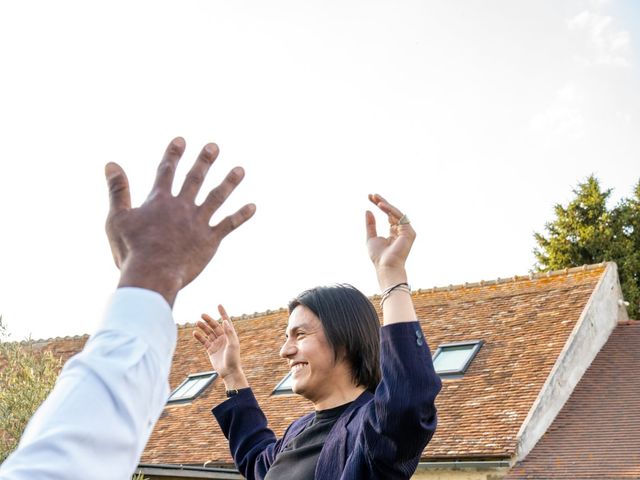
[{"x": 315, "y": 374}]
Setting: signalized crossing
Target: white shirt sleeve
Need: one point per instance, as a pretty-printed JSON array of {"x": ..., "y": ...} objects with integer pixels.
[{"x": 100, "y": 414}]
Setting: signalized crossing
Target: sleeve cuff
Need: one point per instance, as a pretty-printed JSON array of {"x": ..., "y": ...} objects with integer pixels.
[
  {"x": 136, "y": 312},
  {"x": 245, "y": 397}
]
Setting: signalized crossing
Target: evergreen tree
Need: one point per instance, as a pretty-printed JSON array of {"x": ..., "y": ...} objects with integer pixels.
[
  {"x": 625, "y": 250},
  {"x": 586, "y": 231}
]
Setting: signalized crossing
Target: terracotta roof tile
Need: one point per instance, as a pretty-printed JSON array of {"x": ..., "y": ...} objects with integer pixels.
[
  {"x": 524, "y": 321},
  {"x": 597, "y": 433}
]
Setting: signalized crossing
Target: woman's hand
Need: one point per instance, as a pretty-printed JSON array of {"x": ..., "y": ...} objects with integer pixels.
[
  {"x": 221, "y": 343},
  {"x": 389, "y": 254}
]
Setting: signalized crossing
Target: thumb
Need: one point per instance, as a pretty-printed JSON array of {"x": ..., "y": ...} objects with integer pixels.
[
  {"x": 370, "y": 221},
  {"x": 119, "y": 195}
]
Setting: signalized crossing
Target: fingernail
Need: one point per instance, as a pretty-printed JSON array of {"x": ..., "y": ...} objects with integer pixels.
[
  {"x": 110, "y": 170},
  {"x": 210, "y": 148},
  {"x": 178, "y": 142}
]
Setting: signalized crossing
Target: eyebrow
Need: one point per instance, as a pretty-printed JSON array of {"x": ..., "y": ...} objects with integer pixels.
[{"x": 302, "y": 326}]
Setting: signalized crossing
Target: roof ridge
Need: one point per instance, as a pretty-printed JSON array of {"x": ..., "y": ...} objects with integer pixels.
[
  {"x": 481, "y": 283},
  {"x": 50, "y": 339},
  {"x": 512, "y": 279},
  {"x": 244, "y": 316}
]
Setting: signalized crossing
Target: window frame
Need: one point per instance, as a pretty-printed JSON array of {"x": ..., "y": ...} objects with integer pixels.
[
  {"x": 212, "y": 376},
  {"x": 477, "y": 344},
  {"x": 277, "y": 391}
]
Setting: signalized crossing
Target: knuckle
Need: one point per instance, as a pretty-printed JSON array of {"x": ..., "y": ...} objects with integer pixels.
[
  {"x": 175, "y": 148},
  {"x": 217, "y": 197},
  {"x": 117, "y": 186},
  {"x": 224, "y": 227},
  {"x": 208, "y": 157},
  {"x": 165, "y": 168},
  {"x": 195, "y": 177}
]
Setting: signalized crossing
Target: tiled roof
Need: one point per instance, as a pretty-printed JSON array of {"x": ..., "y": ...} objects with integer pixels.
[
  {"x": 597, "y": 433},
  {"x": 64, "y": 347},
  {"x": 524, "y": 322}
]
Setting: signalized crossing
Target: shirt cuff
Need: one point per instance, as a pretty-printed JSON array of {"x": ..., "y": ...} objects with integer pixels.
[{"x": 143, "y": 314}]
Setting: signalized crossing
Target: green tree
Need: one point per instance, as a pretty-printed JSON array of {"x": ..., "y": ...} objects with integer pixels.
[
  {"x": 27, "y": 374},
  {"x": 625, "y": 250},
  {"x": 586, "y": 231}
]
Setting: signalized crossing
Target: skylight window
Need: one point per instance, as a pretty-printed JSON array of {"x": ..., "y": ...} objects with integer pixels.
[
  {"x": 455, "y": 358},
  {"x": 284, "y": 387},
  {"x": 193, "y": 386}
]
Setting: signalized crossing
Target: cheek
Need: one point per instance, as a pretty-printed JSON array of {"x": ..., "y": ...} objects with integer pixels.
[{"x": 323, "y": 359}]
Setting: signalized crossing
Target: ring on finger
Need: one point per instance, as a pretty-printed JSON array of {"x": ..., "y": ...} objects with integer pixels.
[{"x": 404, "y": 220}]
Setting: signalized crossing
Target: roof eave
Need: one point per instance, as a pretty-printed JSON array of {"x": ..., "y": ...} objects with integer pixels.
[{"x": 171, "y": 471}]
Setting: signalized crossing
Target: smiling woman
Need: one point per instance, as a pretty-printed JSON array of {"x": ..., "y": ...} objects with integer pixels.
[
  {"x": 341, "y": 323},
  {"x": 372, "y": 389},
  {"x": 315, "y": 372}
]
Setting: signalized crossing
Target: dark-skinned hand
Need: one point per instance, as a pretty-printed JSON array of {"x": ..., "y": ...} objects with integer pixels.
[{"x": 167, "y": 241}]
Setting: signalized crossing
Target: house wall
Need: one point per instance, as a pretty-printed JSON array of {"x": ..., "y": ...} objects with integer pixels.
[
  {"x": 599, "y": 317},
  {"x": 461, "y": 474},
  {"x": 431, "y": 474}
]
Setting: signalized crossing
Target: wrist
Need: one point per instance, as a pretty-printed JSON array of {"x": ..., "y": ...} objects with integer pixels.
[
  {"x": 235, "y": 380},
  {"x": 151, "y": 277},
  {"x": 388, "y": 277}
]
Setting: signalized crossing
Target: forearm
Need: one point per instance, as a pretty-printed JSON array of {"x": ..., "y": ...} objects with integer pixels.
[
  {"x": 398, "y": 305},
  {"x": 107, "y": 399},
  {"x": 251, "y": 442}
]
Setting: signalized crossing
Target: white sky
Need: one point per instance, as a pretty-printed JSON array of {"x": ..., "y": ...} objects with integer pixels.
[{"x": 474, "y": 117}]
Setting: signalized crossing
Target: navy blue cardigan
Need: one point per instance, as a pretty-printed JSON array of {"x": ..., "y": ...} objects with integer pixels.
[{"x": 379, "y": 436}]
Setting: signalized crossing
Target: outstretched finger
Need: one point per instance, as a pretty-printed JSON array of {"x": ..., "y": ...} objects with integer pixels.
[
  {"x": 167, "y": 167},
  {"x": 202, "y": 338},
  {"x": 119, "y": 195},
  {"x": 370, "y": 220},
  {"x": 209, "y": 326},
  {"x": 218, "y": 195},
  {"x": 231, "y": 222},
  {"x": 229, "y": 329},
  {"x": 386, "y": 207},
  {"x": 223, "y": 313},
  {"x": 198, "y": 172}
]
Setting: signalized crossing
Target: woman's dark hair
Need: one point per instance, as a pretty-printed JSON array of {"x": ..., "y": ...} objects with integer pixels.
[{"x": 351, "y": 326}]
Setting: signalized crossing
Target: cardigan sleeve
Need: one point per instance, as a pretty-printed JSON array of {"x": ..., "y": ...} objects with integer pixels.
[
  {"x": 252, "y": 443},
  {"x": 401, "y": 420}
]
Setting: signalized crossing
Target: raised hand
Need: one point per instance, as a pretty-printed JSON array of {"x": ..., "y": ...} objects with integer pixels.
[
  {"x": 166, "y": 242},
  {"x": 389, "y": 255},
  {"x": 221, "y": 343},
  {"x": 389, "y": 252}
]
